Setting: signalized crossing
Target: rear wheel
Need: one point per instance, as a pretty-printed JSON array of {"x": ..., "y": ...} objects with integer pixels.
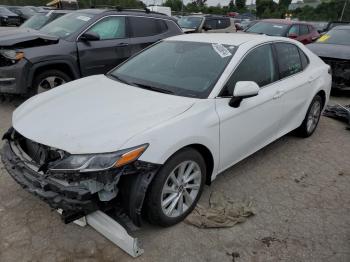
[
  {"x": 308, "y": 127},
  {"x": 47, "y": 80},
  {"x": 176, "y": 188}
]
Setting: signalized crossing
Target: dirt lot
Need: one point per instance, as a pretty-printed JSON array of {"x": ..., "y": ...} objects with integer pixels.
[{"x": 300, "y": 189}]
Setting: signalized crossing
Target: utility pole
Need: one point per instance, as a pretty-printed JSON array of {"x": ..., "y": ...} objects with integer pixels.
[
  {"x": 182, "y": 7},
  {"x": 342, "y": 13}
]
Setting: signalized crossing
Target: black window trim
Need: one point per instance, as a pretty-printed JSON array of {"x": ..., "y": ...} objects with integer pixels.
[
  {"x": 127, "y": 34},
  {"x": 241, "y": 60}
]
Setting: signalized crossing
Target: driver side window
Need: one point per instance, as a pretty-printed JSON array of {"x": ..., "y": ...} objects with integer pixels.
[
  {"x": 112, "y": 27},
  {"x": 258, "y": 66},
  {"x": 294, "y": 30}
]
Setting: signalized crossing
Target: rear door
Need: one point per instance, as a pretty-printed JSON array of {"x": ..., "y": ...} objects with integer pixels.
[
  {"x": 295, "y": 81},
  {"x": 100, "y": 56},
  {"x": 145, "y": 31}
]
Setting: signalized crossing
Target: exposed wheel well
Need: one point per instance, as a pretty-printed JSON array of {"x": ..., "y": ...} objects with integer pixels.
[
  {"x": 322, "y": 94},
  {"x": 60, "y": 66},
  {"x": 208, "y": 158}
]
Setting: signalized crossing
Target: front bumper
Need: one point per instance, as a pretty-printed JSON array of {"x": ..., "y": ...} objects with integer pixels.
[
  {"x": 74, "y": 201},
  {"x": 13, "y": 77},
  {"x": 79, "y": 195}
]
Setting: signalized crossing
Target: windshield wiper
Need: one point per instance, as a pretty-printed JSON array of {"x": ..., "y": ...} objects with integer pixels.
[
  {"x": 120, "y": 79},
  {"x": 156, "y": 89}
]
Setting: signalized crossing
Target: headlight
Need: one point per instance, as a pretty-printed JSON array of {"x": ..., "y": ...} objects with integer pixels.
[
  {"x": 12, "y": 54},
  {"x": 98, "y": 162}
]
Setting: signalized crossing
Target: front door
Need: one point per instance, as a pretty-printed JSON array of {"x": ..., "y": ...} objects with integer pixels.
[
  {"x": 100, "y": 56},
  {"x": 256, "y": 122}
]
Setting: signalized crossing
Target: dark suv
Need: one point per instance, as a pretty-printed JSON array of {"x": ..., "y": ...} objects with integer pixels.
[{"x": 81, "y": 43}]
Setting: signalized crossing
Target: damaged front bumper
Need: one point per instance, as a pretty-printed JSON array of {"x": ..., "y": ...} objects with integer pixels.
[
  {"x": 77, "y": 194},
  {"x": 340, "y": 72}
]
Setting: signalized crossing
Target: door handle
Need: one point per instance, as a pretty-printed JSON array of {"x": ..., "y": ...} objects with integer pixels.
[
  {"x": 278, "y": 94},
  {"x": 311, "y": 79},
  {"x": 122, "y": 44}
]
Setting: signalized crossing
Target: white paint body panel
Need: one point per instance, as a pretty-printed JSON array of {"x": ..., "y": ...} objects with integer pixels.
[{"x": 97, "y": 114}]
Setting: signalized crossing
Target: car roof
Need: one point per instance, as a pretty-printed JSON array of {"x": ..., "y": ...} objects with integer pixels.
[
  {"x": 284, "y": 21},
  {"x": 342, "y": 27},
  {"x": 235, "y": 39},
  {"x": 125, "y": 12},
  {"x": 56, "y": 11}
]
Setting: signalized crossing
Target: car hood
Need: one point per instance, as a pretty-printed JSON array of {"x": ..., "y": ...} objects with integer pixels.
[
  {"x": 94, "y": 114},
  {"x": 331, "y": 50},
  {"x": 22, "y": 38}
]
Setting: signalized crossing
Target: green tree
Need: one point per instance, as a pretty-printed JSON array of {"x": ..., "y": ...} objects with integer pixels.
[
  {"x": 175, "y": 5},
  {"x": 266, "y": 8},
  {"x": 240, "y": 4}
]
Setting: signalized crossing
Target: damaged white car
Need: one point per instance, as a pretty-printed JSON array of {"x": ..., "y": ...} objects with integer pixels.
[{"x": 147, "y": 136}]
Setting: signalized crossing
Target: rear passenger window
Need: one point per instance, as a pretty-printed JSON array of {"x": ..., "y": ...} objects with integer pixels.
[
  {"x": 258, "y": 66},
  {"x": 288, "y": 59},
  {"x": 142, "y": 26},
  {"x": 304, "y": 30},
  {"x": 223, "y": 23},
  {"x": 211, "y": 23},
  {"x": 304, "y": 59}
]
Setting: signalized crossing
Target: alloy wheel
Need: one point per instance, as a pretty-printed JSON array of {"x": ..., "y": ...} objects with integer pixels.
[
  {"x": 49, "y": 83},
  {"x": 181, "y": 189},
  {"x": 313, "y": 116}
]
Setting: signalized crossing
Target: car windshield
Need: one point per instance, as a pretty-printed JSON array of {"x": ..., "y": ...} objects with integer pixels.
[
  {"x": 5, "y": 11},
  {"x": 336, "y": 36},
  {"x": 38, "y": 21},
  {"x": 269, "y": 28},
  {"x": 181, "y": 68},
  {"x": 27, "y": 11},
  {"x": 190, "y": 22},
  {"x": 66, "y": 25}
]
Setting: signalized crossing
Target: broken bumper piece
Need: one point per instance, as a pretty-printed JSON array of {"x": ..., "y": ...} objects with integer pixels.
[{"x": 74, "y": 201}]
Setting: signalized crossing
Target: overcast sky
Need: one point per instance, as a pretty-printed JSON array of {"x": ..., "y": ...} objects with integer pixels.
[{"x": 209, "y": 2}]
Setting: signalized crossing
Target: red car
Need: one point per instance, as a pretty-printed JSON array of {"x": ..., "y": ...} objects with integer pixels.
[{"x": 303, "y": 32}]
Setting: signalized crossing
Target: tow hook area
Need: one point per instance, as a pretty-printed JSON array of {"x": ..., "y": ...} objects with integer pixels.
[{"x": 111, "y": 230}]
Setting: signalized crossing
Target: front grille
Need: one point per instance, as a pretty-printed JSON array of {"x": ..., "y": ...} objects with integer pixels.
[
  {"x": 340, "y": 71},
  {"x": 5, "y": 61},
  {"x": 12, "y": 20},
  {"x": 40, "y": 154}
]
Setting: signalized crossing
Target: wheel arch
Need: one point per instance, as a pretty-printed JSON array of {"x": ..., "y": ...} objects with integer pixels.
[
  {"x": 207, "y": 156},
  {"x": 63, "y": 66},
  {"x": 322, "y": 94}
]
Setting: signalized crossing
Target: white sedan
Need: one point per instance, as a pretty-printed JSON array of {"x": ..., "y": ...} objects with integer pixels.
[{"x": 154, "y": 130}]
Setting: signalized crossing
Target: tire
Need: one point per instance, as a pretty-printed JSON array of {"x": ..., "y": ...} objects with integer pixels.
[
  {"x": 47, "y": 80},
  {"x": 156, "y": 206},
  {"x": 309, "y": 125}
]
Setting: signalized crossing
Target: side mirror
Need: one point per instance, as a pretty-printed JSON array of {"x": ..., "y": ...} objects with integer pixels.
[
  {"x": 207, "y": 27},
  {"x": 90, "y": 36},
  {"x": 243, "y": 90},
  {"x": 293, "y": 35}
]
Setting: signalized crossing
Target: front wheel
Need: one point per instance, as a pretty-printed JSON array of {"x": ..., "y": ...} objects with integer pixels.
[
  {"x": 176, "y": 188},
  {"x": 308, "y": 127},
  {"x": 48, "y": 80}
]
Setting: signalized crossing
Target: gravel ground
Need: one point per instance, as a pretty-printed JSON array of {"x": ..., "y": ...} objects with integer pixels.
[{"x": 300, "y": 190}]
